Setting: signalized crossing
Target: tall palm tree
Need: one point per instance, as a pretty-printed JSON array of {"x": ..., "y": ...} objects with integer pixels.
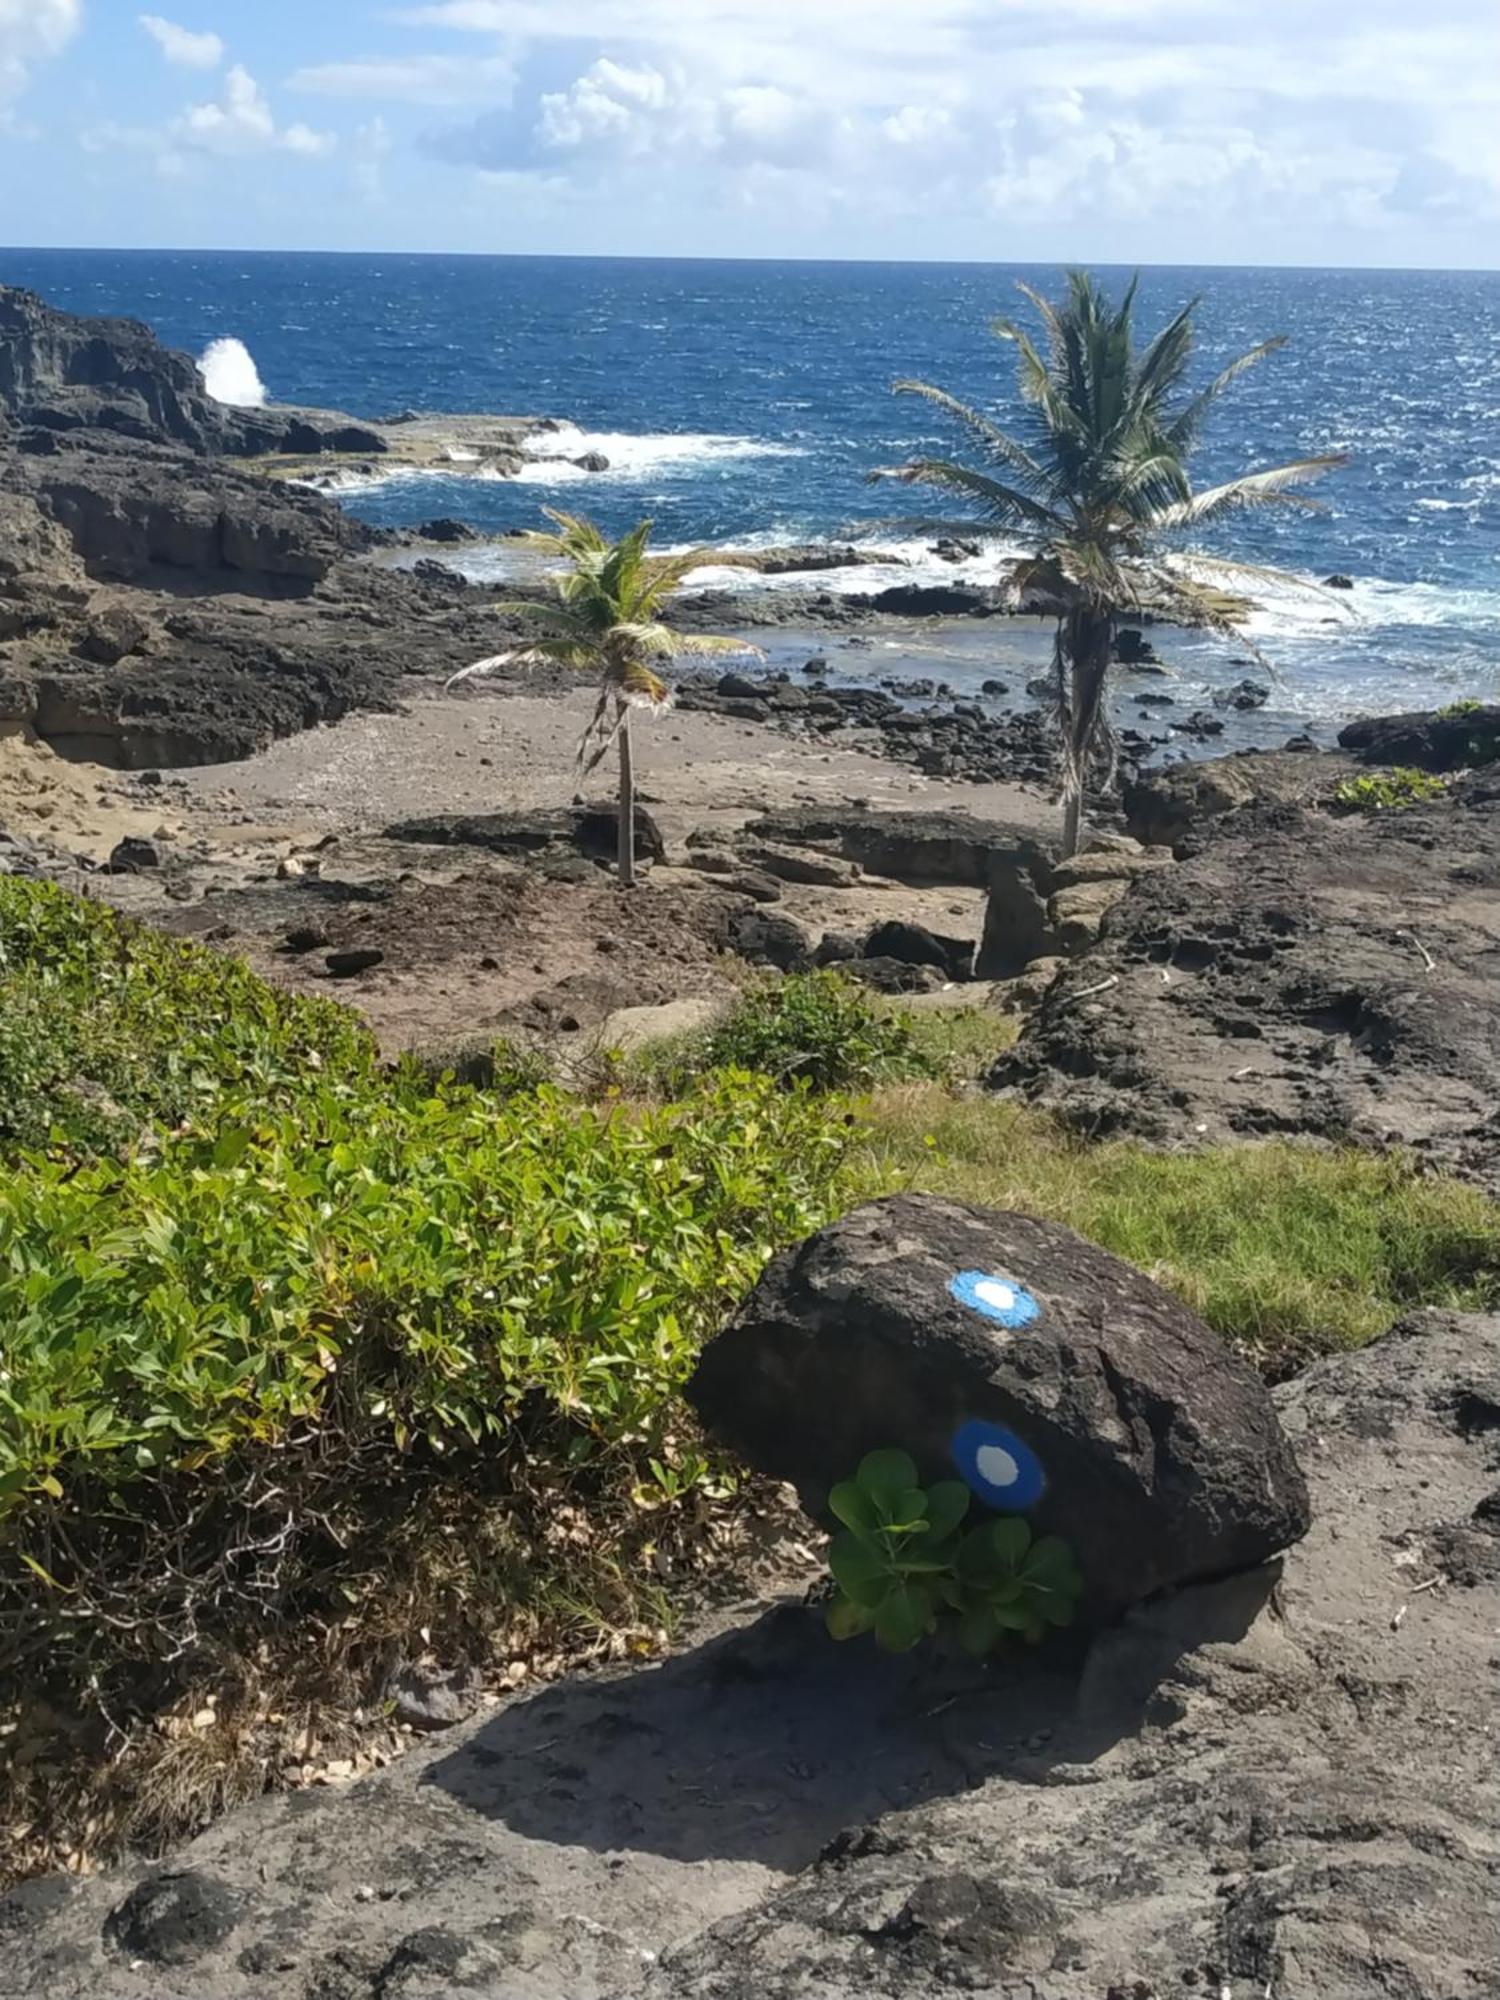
[
  {"x": 1098, "y": 483},
  {"x": 606, "y": 620}
]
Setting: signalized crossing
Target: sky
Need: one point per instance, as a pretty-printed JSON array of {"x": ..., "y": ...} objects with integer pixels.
[{"x": 1326, "y": 132}]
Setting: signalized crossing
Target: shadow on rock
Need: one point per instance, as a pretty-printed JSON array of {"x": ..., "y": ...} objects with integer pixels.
[{"x": 767, "y": 1743}]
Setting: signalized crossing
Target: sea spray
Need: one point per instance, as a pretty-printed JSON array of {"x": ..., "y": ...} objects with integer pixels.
[{"x": 231, "y": 375}]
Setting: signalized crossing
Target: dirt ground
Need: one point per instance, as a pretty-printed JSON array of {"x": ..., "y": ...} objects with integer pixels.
[{"x": 281, "y": 858}]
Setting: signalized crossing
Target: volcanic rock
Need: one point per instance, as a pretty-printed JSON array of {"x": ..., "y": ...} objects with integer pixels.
[
  {"x": 1445, "y": 739},
  {"x": 1056, "y": 1380},
  {"x": 1299, "y": 973}
]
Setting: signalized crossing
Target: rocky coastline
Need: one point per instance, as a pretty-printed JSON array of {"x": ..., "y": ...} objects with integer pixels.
[{"x": 222, "y": 711}]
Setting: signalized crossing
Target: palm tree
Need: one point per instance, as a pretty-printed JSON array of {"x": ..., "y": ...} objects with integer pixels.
[
  {"x": 1098, "y": 483},
  {"x": 606, "y": 620}
]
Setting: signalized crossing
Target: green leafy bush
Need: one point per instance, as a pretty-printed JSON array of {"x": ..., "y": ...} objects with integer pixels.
[
  {"x": 1466, "y": 705},
  {"x": 107, "y": 1028},
  {"x": 817, "y": 1028},
  {"x": 1388, "y": 791},
  {"x": 902, "y": 1563},
  {"x": 277, "y": 1318},
  {"x": 452, "y": 1256}
]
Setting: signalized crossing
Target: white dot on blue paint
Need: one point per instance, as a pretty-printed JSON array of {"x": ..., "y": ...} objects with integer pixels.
[
  {"x": 997, "y": 1465},
  {"x": 995, "y": 1296}
]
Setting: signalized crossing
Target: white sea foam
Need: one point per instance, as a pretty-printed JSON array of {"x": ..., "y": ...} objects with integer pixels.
[
  {"x": 231, "y": 376},
  {"x": 632, "y": 453}
]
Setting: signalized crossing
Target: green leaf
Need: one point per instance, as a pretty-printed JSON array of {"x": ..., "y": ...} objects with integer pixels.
[
  {"x": 883, "y": 1475},
  {"x": 947, "y": 1504},
  {"x": 846, "y": 1620},
  {"x": 232, "y": 1146},
  {"x": 979, "y": 1631},
  {"x": 903, "y": 1618},
  {"x": 1049, "y": 1565},
  {"x": 1007, "y": 1541},
  {"x": 858, "y": 1569},
  {"x": 849, "y": 1504}
]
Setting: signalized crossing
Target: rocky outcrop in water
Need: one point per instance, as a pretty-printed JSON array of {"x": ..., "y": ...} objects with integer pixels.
[{"x": 63, "y": 373}]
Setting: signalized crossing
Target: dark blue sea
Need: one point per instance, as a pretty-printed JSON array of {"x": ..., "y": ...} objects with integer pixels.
[{"x": 739, "y": 402}]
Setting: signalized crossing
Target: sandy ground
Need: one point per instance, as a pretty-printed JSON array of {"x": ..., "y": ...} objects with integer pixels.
[
  {"x": 469, "y": 945},
  {"x": 477, "y": 751},
  {"x": 81, "y": 807}
]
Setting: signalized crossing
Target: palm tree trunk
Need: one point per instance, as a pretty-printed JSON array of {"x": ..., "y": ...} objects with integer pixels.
[
  {"x": 627, "y": 806},
  {"x": 1087, "y": 641}
]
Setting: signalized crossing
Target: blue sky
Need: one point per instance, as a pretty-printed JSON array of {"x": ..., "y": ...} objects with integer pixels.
[{"x": 1280, "y": 131}]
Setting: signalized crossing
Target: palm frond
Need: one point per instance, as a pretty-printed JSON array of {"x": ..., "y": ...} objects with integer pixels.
[
  {"x": 1183, "y": 431},
  {"x": 1270, "y": 488},
  {"x": 1002, "y": 503},
  {"x": 1006, "y": 448}
]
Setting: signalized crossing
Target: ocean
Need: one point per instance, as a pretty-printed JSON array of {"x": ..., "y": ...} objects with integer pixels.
[{"x": 742, "y": 403}]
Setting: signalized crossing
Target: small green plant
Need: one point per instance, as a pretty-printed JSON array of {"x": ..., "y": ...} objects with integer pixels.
[
  {"x": 1467, "y": 705},
  {"x": 1388, "y": 791},
  {"x": 903, "y": 1562},
  {"x": 818, "y": 1027}
]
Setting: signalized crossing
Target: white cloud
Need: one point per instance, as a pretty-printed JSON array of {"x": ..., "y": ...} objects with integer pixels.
[
  {"x": 237, "y": 123},
  {"x": 186, "y": 47},
  {"x": 31, "y": 31},
  {"x": 427, "y": 79},
  {"x": 240, "y": 121},
  {"x": 1198, "y": 126}
]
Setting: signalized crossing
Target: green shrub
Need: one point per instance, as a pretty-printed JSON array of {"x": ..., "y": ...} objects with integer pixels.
[
  {"x": 1388, "y": 791},
  {"x": 817, "y": 1028},
  {"x": 107, "y": 1028},
  {"x": 278, "y": 1319},
  {"x": 1466, "y": 705}
]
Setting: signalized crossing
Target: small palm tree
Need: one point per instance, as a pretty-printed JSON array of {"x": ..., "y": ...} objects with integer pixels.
[
  {"x": 1099, "y": 483},
  {"x": 607, "y": 621}
]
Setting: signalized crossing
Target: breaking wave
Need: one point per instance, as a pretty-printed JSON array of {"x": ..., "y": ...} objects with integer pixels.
[{"x": 231, "y": 375}]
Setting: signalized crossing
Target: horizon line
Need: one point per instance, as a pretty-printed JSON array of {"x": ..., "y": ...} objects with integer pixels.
[{"x": 688, "y": 257}]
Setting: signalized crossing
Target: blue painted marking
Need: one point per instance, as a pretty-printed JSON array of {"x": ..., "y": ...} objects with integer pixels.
[
  {"x": 996, "y": 1297},
  {"x": 994, "y": 1463}
]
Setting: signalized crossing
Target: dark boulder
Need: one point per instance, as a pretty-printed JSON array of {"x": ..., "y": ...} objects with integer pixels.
[
  {"x": 1443, "y": 739},
  {"x": 837, "y": 948},
  {"x": 592, "y": 461},
  {"x": 133, "y": 856},
  {"x": 769, "y": 940},
  {"x": 1133, "y": 648},
  {"x": 445, "y": 529},
  {"x": 591, "y": 830},
  {"x": 1055, "y": 1379},
  {"x": 1338, "y": 581},
  {"x": 1017, "y": 925},
  {"x": 175, "y": 1918},
  {"x": 740, "y": 687},
  {"x": 892, "y": 975},
  {"x": 914, "y": 944},
  {"x": 113, "y": 634},
  {"x": 917, "y": 848},
  {"x": 932, "y": 600},
  {"x": 349, "y": 964},
  {"x": 1243, "y": 696}
]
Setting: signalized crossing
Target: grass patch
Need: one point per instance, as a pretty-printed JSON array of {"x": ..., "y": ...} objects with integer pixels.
[
  {"x": 1388, "y": 791},
  {"x": 1287, "y": 1251},
  {"x": 827, "y": 1032},
  {"x": 959, "y": 1043}
]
